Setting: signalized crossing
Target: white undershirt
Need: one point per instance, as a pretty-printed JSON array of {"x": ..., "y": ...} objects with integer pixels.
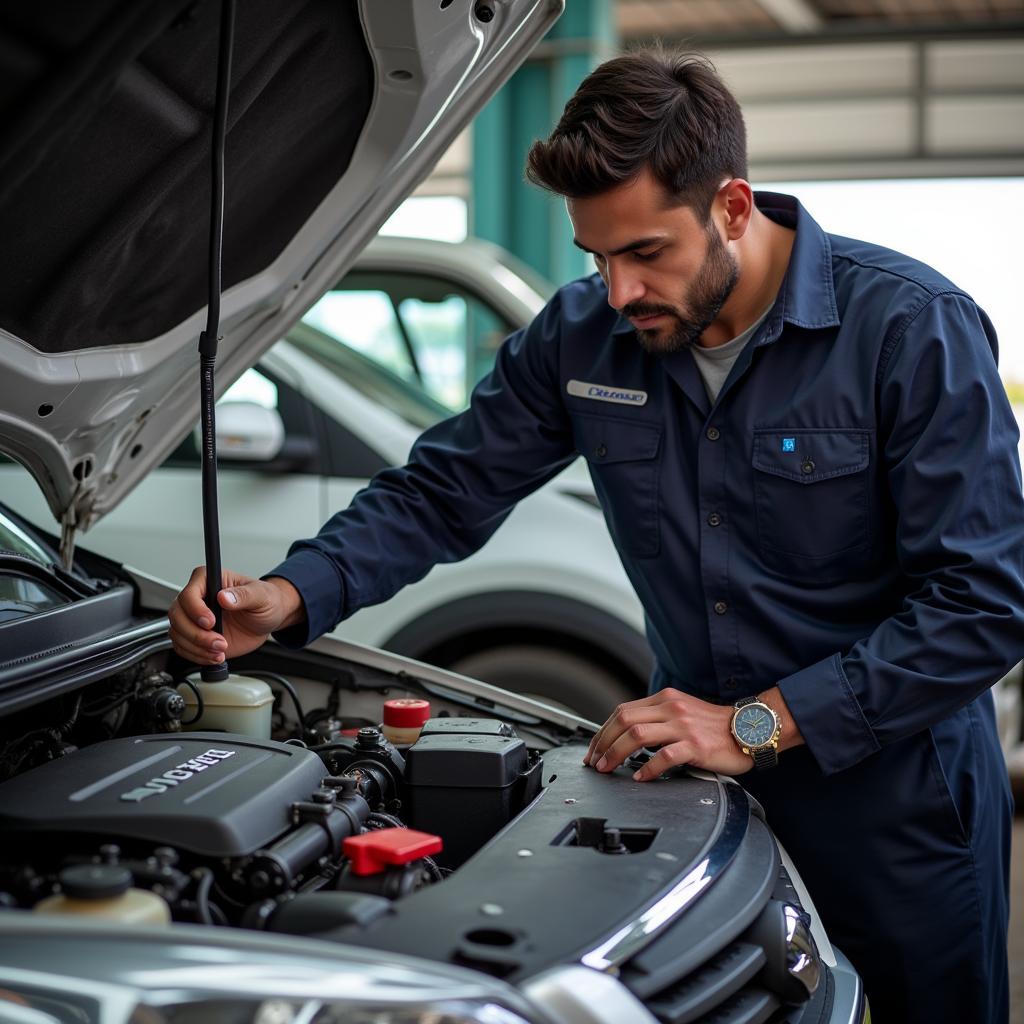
[{"x": 715, "y": 363}]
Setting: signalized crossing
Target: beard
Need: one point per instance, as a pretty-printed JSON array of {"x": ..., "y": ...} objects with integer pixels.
[{"x": 715, "y": 280}]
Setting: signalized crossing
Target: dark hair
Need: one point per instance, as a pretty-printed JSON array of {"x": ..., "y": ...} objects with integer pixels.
[{"x": 664, "y": 110}]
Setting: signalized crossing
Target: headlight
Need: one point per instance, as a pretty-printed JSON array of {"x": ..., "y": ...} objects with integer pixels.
[
  {"x": 286, "y": 1011},
  {"x": 38, "y": 1006},
  {"x": 84, "y": 973},
  {"x": 34, "y": 1001}
]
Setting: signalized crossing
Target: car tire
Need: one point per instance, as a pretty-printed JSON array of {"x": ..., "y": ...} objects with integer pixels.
[{"x": 556, "y": 677}]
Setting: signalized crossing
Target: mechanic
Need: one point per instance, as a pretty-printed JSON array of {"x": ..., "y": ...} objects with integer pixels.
[{"x": 808, "y": 464}]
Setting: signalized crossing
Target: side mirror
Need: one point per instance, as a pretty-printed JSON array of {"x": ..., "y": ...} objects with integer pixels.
[{"x": 247, "y": 432}]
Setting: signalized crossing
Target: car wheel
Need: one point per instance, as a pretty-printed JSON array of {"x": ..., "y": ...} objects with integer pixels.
[{"x": 556, "y": 677}]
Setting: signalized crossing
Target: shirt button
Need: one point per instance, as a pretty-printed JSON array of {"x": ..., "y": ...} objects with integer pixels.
[
  {"x": 600, "y": 451},
  {"x": 712, "y": 434},
  {"x": 729, "y": 684},
  {"x": 807, "y": 466},
  {"x": 714, "y": 519},
  {"x": 720, "y": 607}
]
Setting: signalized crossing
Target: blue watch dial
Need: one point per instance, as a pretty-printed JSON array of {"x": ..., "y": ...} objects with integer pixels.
[{"x": 754, "y": 725}]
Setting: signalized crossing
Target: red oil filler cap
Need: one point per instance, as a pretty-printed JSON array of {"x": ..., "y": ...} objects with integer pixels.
[
  {"x": 404, "y": 718},
  {"x": 373, "y": 852}
]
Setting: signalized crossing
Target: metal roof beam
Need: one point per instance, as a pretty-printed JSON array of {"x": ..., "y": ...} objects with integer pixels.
[{"x": 797, "y": 16}]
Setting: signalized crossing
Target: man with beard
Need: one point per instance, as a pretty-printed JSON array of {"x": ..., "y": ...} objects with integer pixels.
[{"x": 808, "y": 465}]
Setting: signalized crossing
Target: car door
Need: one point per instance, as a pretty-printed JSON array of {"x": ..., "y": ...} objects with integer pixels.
[{"x": 429, "y": 330}]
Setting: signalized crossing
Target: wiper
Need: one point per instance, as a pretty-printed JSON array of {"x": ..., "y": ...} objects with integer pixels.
[{"x": 53, "y": 576}]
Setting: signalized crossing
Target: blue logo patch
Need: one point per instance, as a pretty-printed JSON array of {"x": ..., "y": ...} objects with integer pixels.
[{"x": 789, "y": 444}]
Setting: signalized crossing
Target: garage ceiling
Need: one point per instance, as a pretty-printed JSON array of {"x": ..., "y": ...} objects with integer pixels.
[
  {"x": 643, "y": 19},
  {"x": 860, "y": 88},
  {"x": 843, "y": 89}
]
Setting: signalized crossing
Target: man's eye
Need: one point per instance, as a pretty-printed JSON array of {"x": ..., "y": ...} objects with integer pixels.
[{"x": 646, "y": 257}]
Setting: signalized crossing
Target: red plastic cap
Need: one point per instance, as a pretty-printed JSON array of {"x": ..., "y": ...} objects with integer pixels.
[
  {"x": 406, "y": 712},
  {"x": 372, "y": 852}
]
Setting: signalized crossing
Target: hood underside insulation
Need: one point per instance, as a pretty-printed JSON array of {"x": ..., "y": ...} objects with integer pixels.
[{"x": 105, "y": 119}]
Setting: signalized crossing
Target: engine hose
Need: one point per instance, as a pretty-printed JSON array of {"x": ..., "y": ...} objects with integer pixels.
[
  {"x": 203, "y": 911},
  {"x": 275, "y": 868}
]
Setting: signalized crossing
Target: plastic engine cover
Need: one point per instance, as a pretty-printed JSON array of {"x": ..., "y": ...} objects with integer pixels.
[{"x": 214, "y": 794}]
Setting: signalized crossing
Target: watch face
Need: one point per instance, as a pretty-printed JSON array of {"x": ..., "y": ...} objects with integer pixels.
[{"x": 754, "y": 725}]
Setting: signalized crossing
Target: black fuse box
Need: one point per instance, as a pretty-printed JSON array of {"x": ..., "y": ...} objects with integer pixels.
[
  {"x": 464, "y": 787},
  {"x": 465, "y": 726}
]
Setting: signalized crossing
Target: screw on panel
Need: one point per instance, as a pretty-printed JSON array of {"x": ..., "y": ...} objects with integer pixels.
[
  {"x": 570, "y": 800},
  {"x": 492, "y": 909},
  {"x": 706, "y": 802},
  {"x": 524, "y": 853}
]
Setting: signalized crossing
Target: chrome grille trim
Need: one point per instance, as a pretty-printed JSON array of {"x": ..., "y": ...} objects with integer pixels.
[{"x": 638, "y": 933}]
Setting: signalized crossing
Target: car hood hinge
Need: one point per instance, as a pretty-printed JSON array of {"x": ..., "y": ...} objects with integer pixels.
[{"x": 76, "y": 512}]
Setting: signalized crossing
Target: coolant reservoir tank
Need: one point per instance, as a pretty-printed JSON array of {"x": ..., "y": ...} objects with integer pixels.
[
  {"x": 404, "y": 719},
  {"x": 237, "y": 704},
  {"x": 105, "y": 890}
]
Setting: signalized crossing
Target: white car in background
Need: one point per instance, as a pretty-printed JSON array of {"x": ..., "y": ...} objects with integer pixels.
[{"x": 544, "y": 608}]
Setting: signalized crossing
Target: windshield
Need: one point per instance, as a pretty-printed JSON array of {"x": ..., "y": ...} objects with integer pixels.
[
  {"x": 15, "y": 541},
  {"x": 21, "y": 595},
  {"x": 368, "y": 377}
]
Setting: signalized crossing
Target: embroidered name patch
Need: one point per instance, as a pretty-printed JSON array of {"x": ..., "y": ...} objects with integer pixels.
[
  {"x": 606, "y": 393},
  {"x": 789, "y": 444}
]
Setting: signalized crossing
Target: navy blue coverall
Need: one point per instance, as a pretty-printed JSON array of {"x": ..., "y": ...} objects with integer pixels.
[{"x": 844, "y": 521}]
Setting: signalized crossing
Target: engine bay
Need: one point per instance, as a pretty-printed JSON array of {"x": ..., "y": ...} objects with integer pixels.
[
  {"x": 218, "y": 823},
  {"x": 470, "y": 835}
]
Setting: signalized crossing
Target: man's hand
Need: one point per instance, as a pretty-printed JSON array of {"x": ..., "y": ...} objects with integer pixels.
[
  {"x": 688, "y": 730},
  {"x": 252, "y": 610}
]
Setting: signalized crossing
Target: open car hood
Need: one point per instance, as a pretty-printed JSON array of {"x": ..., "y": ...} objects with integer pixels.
[{"x": 338, "y": 110}]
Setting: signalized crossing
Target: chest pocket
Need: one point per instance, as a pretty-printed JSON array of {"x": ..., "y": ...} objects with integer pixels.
[
  {"x": 624, "y": 465},
  {"x": 812, "y": 494}
]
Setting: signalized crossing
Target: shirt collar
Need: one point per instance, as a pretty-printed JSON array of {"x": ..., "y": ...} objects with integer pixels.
[{"x": 808, "y": 292}]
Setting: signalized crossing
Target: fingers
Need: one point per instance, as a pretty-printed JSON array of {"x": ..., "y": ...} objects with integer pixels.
[
  {"x": 668, "y": 757},
  {"x": 192, "y": 599},
  {"x": 196, "y": 654},
  {"x": 647, "y": 734},
  {"x": 191, "y": 620},
  {"x": 624, "y": 716},
  {"x": 241, "y": 598},
  {"x": 202, "y": 646},
  {"x": 687, "y": 729},
  {"x": 627, "y": 717}
]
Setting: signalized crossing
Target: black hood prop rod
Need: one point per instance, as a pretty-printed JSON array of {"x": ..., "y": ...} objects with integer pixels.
[{"x": 209, "y": 338}]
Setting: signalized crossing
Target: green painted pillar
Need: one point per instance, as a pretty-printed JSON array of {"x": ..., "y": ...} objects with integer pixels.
[{"x": 504, "y": 208}]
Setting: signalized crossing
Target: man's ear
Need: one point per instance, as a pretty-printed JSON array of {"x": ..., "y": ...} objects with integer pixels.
[{"x": 734, "y": 206}]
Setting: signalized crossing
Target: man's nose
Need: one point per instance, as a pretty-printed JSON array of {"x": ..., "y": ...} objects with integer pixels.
[{"x": 624, "y": 286}]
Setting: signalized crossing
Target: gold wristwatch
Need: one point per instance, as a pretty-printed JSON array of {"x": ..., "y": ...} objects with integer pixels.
[{"x": 756, "y": 728}]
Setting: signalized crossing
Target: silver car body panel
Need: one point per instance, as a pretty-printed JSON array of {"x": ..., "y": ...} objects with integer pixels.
[{"x": 118, "y": 411}]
